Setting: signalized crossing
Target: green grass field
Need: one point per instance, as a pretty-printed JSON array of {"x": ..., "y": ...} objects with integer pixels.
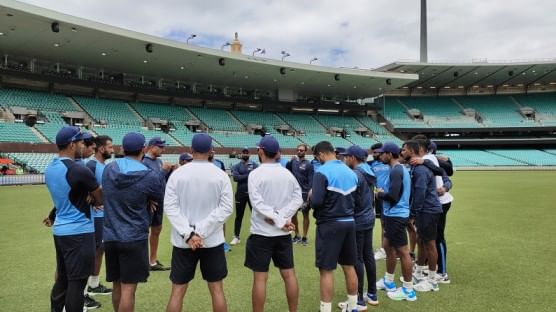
[{"x": 500, "y": 254}]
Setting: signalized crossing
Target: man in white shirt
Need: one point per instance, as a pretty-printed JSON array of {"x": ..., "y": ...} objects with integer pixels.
[
  {"x": 275, "y": 196},
  {"x": 197, "y": 202}
]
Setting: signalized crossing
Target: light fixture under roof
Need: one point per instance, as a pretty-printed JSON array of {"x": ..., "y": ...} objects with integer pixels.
[
  {"x": 56, "y": 45},
  {"x": 74, "y": 29},
  {"x": 103, "y": 53},
  {"x": 145, "y": 61},
  {"x": 1, "y": 34},
  {"x": 182, "y": 68}
]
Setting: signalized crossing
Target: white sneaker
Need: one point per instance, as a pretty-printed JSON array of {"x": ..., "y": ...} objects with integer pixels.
[
  {"x": 442, "y": 278},
  {"x": 426, "y": 285},
  {"x": 380, "y": 254},
  {"x": 235, "y": 241},
  {"x": 343, "y": 307}
]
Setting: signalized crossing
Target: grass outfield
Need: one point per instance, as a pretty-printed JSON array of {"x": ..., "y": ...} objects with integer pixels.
[{"x": 500, "y": 241}]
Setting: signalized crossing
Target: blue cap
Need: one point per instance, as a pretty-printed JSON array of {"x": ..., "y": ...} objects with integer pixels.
[
  {"x": 356, "y": 151},
  {"x": 245, "y": 149},
  {"x": 133, "y": 142},
  {"x": 201, "y": 143},
  {"x": 186, "y": 157},
  {"x": 68, "y": 134},
  {"x": 269, "y": 144},
  {"x": 389, "y": 147},
  {"x": 340, "y": 150},
  {"x": 157, "y": 141}
]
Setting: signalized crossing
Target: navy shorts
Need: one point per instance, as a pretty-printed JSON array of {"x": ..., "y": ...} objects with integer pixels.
[
  {"x": 395, "y": 230},
  {"x": 158, "y": 215},
  {"x": 99, "y": 229},
  {"x": 378, "y": 207},
  {"x": 75, "y": 255},
  {"x": 259, "y": 250},
  {"x": 427, "y": 226},
  {"x": 184, "y": 263},
  {"x": 335, "y": 243},
  {"x": 127, "y": 262}
]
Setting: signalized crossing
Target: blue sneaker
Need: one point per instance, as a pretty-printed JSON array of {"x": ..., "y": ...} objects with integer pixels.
[
  {"x": 383, "y": 284},
  {"x": 227, "y": 247},
  {"x": 403, "y": 293},
  {"x": 372, "y": 299}
]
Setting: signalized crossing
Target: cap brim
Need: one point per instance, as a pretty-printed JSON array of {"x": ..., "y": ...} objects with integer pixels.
[{"x": 379, "y": 150}]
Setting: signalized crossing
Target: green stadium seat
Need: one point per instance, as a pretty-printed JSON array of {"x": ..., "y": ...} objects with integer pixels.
[{"x": 115, "y": 113}]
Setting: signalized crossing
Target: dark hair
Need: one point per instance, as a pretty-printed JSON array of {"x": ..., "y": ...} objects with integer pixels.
[
  {"x": 376, "y": 146},
  {"x": 269, "y": 154},
  {"x": 89, "y": 142},
  {"x": 395, "y": 155},
  {"x": 304, "y": 146},
  {"x": 63, "y": 147},
  {"x": 323, "y": 147},
  {"x": 102, "y": 140},
  {"x": 422, "y": 140},
  {"x": 132, "y": 153},
  {"x": 413, "y": 145}
]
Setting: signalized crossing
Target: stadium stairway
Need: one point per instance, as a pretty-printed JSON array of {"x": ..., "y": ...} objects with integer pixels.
[
  {"x": 135, "y": 112},
  {"x": 236, "y": 119},
  {"x": 38, "y": 133},
  {"x": 79, "y": 107},
  {"x": 509, "y": 157}
]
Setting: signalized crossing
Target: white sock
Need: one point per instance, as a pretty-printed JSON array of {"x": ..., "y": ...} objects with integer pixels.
[
  {"x": 352, "y": 302},
  {"x": 325, "y": 306},
  {"x": 408, "y": 285},
  {"x": 432, "y": 276},
  {"x": 389, "y": 277},
  {"x": 94, "y": 281}
]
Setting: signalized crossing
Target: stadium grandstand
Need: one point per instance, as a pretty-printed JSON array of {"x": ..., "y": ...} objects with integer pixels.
[{"x": 482, "y": 115}]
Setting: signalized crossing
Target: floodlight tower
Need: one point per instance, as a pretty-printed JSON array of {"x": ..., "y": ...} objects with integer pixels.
[{"x": 423, "y": 57}]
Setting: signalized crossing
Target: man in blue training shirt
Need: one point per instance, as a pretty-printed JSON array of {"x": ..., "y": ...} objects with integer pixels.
[
  {"x": 70, "y": 186},
  {"x": 302, "y": 170},
  {"x": 332, "y": 202},
  {"x": 103, "y": 151},
  {"x": 240, "y": 172},
  {"x": 217, "y": 162},
  {"x": 382, "y": 172},
  {"x": 426, "y": 208},
  {"x": 363, "y": 201},
  {"x": 129, "y": 187},
  {"x": 152, "y": 160},
  {"x": 395, "y": 215}
]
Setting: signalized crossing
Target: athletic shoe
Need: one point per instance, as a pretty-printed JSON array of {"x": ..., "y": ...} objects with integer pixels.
[
  {"x": 361, "y": 306},
  {"x": 227, "y": 247},
  {"x": 383, "y": 284},
  {"x": 403, "y": 293},
  {"x": 418, "y": 277},
  {"x": 90, "y": 303},
  {"x": 372, "y": 299},
  {"x": 296, "y": 239},
  {"x": 235, "y": 241},
  {"x": 158, "y": 267},
  {"x": 442, "y": 278},
  {"x": 427, "y": 285},
  {"x": 304, "y": 241},
  {"x": 380, "y": 254},
  {"x": 99, "y": 290}
]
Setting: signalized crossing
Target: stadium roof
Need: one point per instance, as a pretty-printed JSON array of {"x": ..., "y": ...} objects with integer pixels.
[
  {"x": 483, "y": 74},
  {"x": 26, "y": 32}
]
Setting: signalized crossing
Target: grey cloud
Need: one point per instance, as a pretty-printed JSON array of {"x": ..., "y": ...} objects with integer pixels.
[{"x": 373, "y": 33}]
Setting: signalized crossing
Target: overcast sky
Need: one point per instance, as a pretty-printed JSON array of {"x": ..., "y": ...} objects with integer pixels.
[{"x": 346, "y": 33}]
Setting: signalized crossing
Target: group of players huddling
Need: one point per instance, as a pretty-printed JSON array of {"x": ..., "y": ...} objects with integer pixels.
[{"x": 115, "y": 210}]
